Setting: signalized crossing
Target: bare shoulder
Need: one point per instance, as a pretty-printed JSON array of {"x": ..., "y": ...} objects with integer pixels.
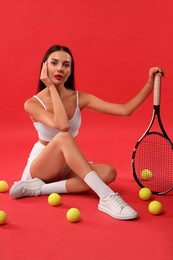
[
  {"x": 92, "y": 102},
  {"x": 84, "y": 99},
  {"x": 28, "y": 102},
  {"x": 32, "y": 105},
  {"x": 33, "y": 101}
]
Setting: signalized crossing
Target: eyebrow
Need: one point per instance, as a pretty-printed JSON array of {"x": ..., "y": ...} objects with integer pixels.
[{"x": 58, "y": 60}]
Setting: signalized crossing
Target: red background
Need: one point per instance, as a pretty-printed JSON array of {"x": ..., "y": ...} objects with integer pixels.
[{"x": 114, "y": 44}]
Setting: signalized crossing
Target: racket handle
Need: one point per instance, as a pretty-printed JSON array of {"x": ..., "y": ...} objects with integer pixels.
[{"x": 157, "y": 84}]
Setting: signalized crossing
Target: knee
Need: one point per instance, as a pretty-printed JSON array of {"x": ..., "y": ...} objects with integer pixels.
[
  {"x": 109, "y": 174},
  {"x": 63, "y": 138},
  {"x": 112, "y": 174}
]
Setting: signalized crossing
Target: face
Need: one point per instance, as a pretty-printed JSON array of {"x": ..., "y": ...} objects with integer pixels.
[{"x": 59, "y": 67}]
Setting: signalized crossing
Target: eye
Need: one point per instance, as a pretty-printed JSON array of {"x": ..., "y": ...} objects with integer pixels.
[
  {"x": 67, "y": 65},
  {"x": 53, "y": 63}
]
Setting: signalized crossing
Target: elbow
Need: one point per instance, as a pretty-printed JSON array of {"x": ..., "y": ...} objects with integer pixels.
[
  {"x": 124, "y": 111},
  {"x": 127, "y": 113},
  {"x": 63, "y": 127}
]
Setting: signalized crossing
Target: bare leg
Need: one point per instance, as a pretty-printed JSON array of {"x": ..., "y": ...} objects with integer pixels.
[
  {"x": 73, "y": 184},
  {"x": 63, "y": 148},
  {"x": 49, "y": 164},
  {"x": 105, "y": 171}
]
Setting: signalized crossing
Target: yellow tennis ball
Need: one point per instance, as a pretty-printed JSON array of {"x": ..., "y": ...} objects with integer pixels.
[
  {"x": 146, "y": 175},
  {"x": 3, "y": 186},
  {"x": 3, "y": 217},
  {"x": 73, "y": 215},
  {"x": 54, "y": 199},
  {"x": 155, "y": 207},
  {"x": 145, "y": 194}
]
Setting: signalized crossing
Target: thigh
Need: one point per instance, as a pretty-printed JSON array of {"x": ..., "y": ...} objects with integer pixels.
[{"x": 49, "y": 165}]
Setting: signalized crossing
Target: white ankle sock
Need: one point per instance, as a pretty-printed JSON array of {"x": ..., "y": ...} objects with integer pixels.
[
  {"x": 57, "y": 187},
  {"x": 97, "y": 185}
]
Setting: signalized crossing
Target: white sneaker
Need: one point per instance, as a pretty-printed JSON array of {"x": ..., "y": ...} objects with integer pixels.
[
  {"x": 26, "y": 188},
  {"x": 116, "y": 207}
]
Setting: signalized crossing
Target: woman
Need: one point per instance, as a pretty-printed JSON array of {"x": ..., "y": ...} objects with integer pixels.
[{"x": 56, "y": 164}]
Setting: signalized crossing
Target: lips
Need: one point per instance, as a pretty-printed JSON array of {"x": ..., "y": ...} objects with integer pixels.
[{"x": 58, "y": 77}]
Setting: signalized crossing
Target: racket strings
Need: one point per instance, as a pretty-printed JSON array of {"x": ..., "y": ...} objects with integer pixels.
[{"x": 155, "y": 153}]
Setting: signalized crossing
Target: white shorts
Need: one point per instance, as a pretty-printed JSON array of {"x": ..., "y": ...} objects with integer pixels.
[{"x": 36, "y": 150}]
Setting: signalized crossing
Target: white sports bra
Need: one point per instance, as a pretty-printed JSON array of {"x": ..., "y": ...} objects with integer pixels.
[{"x": 46, "y": 133}]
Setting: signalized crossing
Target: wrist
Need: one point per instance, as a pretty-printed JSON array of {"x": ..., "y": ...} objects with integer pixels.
[
  {"x": 150, "y": 85},
  {"x": 51, "y": 86}
]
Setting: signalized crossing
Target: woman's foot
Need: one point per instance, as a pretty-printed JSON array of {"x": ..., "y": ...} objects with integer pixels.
[
  {"x": 26, "y": 188},
  {"x": 116, "y": 207}
]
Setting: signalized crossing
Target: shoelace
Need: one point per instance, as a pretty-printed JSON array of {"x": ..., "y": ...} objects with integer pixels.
[
  {"x": 118, "y": 200},
  {"x": 26, "y": 192}
]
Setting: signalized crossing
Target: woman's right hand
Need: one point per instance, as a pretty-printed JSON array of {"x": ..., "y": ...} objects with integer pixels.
[
  {"x": 44, "y": 75},
  {"x": 152, "y": 72}
]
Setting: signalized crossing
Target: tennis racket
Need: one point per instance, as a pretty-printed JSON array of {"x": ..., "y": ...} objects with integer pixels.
[{"x": 152, "y": 158}]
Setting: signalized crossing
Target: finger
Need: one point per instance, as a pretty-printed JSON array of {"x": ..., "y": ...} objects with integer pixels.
[
  {"x": 44, "y": 69},
  {"x": 160, "y": 70}
]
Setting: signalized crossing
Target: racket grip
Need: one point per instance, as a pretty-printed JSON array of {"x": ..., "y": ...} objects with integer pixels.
[{"x": 157, "y": 84}]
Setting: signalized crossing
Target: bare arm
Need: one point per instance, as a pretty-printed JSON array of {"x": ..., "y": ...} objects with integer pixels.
[{"x": 92, "y": 102}]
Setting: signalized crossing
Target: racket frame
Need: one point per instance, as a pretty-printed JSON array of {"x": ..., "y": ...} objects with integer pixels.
[{"x": 156, "y": 112}]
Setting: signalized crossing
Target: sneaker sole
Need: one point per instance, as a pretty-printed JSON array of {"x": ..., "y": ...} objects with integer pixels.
[{"x": 105, "y": 210}]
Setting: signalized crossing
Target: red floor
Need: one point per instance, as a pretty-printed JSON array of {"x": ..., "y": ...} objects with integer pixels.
[{"x": 35, "y": 230}]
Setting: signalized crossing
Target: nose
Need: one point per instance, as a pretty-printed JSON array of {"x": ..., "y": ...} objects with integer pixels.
[{"x": 59, "y": 67}]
